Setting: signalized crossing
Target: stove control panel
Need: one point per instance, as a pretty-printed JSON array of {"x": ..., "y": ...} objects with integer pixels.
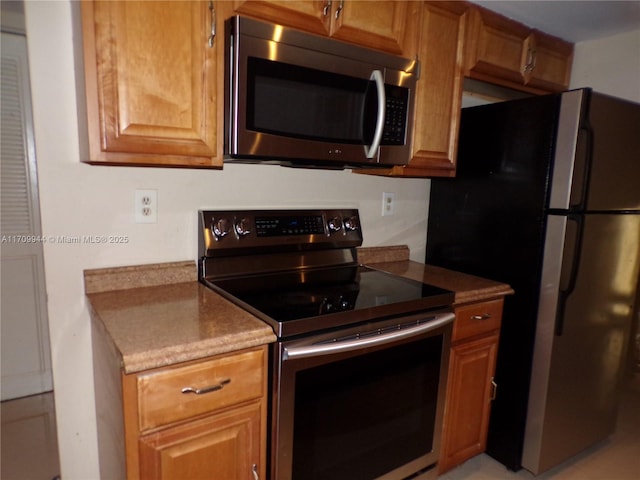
[{"x": 223, "y": 232}]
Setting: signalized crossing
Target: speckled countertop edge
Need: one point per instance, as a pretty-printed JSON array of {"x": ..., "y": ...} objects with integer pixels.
[
  {"x": 163, "y": 325},
  {"x": 149, "y": 310}
]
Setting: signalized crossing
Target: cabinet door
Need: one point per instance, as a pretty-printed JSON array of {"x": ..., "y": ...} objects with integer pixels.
[
  {"x": 223, "y": 446},
  {"x": 439, "y": 89},
  {"x": 469, "y": 394},
  {"x": 496, "y": 47},
  {"x": 383, "y": 25},
  {"x": 152, "y": 79},
  {"x": 506, "y": 52},
  {"x": 309, "y": 15},
  {"x": 438, "y": 93},
  {"x": 552, "y": 60}
]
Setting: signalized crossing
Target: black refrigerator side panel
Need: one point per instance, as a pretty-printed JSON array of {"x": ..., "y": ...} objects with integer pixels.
[{"x": 490, "y": 221}]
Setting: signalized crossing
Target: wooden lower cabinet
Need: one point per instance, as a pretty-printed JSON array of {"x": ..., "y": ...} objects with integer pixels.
[
  {"x": 470, "y": 387},
  {"x": 203, "y": 419},
  {"x": 224, "y": 446}
]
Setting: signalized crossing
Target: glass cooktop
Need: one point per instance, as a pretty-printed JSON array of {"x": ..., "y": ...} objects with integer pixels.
[{"x": 312, "y": 300}]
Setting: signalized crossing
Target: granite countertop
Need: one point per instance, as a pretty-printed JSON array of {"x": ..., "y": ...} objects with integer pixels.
[
  {"x": 467, "y": 288},
  {"x": 170, "y": 319},
  {"x": 158, "y": 315}
]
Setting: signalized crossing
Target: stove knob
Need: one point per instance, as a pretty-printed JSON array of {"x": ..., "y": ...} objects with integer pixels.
[
  {"x": 351, "y": 224},
  {"x": 243, "y": 227},
  {"x": 334, "y": 224},
  {"x": 220, "y": 228}
]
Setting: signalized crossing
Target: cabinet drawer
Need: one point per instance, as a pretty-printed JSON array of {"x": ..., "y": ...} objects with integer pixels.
[
  {"x": 477, "y": 319},
  {"x": 168, "y": 395}
]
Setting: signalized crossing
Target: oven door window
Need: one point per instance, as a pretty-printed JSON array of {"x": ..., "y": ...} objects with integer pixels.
[
  {"x": 366, "y": 415},
  {"x": 300, "y": 102}
]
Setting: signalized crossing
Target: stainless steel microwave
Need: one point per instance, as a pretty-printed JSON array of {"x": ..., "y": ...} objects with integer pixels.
[{"x": 299, "y": 99}]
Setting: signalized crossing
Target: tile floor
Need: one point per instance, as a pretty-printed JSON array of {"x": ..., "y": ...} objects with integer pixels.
[
  {"x": 29, "y": 447},
  {"x": 29, "y": 443},
  {"x": 617, "y": 458}
]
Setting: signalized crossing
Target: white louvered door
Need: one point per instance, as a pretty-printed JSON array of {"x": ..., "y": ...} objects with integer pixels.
[{"x": 25, "y": 349}]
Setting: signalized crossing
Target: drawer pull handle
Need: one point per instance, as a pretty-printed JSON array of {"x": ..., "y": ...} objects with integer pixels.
[
  {"x": 484, "y": 316},
  {"x": 212, "y": 388},
  {"x": 494, "y": 388},
  {"x": 254, "y": 471}
]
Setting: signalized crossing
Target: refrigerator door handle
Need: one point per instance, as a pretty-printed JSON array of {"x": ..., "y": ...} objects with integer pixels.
[
  {"x": 582, "y": 172},
  {"x": 570, "y": 263}
]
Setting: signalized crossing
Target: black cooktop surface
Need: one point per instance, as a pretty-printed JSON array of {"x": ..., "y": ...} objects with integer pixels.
[{"x": 300, "y": 302}]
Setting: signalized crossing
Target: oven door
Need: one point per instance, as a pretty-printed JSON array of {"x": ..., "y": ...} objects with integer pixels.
[{"x": 363, "y": 403}]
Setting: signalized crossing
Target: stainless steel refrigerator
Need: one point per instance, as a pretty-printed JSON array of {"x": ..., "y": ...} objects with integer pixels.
[{"x": 547, "y": 199}]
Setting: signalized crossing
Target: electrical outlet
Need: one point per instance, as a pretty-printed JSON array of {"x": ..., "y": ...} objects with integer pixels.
[
  {"x": 146, "y": 206},
  {"x": 388, "y": 204}
]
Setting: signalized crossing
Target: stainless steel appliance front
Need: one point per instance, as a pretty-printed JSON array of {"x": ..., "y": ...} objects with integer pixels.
[
  {"x": 358, "y": 373},
  {"x": 365, "y": 402},
  {"x": 296, "y": 98}
]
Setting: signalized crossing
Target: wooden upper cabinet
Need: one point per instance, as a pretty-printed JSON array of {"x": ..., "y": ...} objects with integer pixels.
[
  {"x": 309, "y": 15},
  {"x": 438, "y": 93},
  {"x": 153, "y": 78},
  {"x": 553, "y": 59},
  {"x": 389, "y": 26},
  {"x": 502, "y": 51}
]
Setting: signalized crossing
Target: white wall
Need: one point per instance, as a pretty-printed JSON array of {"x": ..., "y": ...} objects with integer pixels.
[
  {"x": 79, "y": 199},
  {"x": 610, "y": 65}
]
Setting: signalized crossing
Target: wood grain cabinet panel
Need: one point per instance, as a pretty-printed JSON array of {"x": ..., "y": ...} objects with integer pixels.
[
  {"x": 469, "y": 394},
  {"x": 438, "y": 93},
  {"x": 553, "y": 61},
  {"x": 312, "y": 16},
  {"x": 213, "y": 384},
  {"x": 152, "y": 77},
  {"x": 218, "y": 431},
  {"x": 224, "y": 446},
  {"x": 477, "y": 319},
  {"x": 470, "y": 387},
  {"x": 389, "y": 26},
  {"x": 505, "y": 52}
]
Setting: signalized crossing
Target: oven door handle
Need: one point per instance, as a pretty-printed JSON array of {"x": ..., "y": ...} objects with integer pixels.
[{"x": 347, "y": 345}]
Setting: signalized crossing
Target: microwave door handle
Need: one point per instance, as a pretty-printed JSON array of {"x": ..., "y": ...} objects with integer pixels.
[{"x": 370, "y": 151}]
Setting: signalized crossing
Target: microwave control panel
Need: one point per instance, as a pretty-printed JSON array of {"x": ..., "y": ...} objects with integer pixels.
[{"x": 395, "y": 120}]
